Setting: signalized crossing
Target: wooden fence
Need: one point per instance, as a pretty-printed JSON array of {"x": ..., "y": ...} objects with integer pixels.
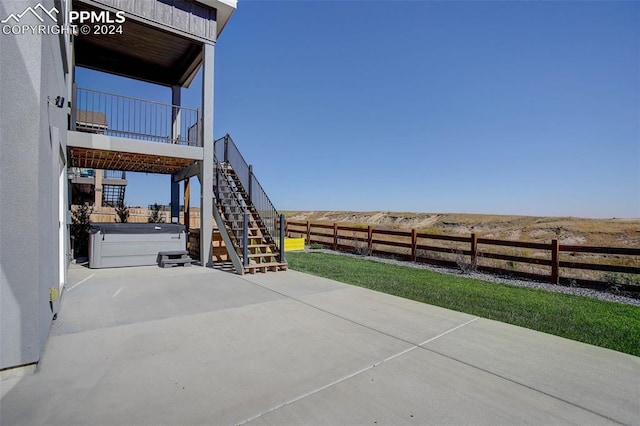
[
  {"x": 548, "y": 262},
  {"x": 141, "y": 215}
]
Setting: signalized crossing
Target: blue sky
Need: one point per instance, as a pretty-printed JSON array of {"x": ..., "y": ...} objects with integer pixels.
[{"x": 498, "y": 107}]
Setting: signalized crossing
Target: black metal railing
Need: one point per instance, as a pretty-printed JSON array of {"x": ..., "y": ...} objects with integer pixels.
[
  {"x": 226, "y": 151},
  {"x": 116, "y": 115}
]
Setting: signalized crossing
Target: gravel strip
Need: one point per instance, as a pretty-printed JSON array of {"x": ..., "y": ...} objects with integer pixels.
[{"x": 576, "y": 291}]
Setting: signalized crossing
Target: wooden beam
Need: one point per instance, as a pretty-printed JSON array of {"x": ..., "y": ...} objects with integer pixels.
[{"x": 187, "y": 172}]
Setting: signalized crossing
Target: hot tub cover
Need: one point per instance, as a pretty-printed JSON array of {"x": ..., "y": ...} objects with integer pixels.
[{"x": 136, "y": 228}]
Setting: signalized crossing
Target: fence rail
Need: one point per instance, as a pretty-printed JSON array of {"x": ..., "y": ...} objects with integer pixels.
[
  {"x": 116, "y": 115},
  {"x": 549, "y": 262}
]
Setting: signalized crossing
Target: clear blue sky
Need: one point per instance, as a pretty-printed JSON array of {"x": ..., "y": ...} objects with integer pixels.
[{"x": 477, "y": 107}]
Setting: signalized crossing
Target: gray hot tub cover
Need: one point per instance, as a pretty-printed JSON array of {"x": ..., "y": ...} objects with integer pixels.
[{"x": 136, "y": 228}]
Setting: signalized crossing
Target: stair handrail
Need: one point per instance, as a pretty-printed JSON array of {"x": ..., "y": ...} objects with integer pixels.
[{"x": 228, "y": 152}]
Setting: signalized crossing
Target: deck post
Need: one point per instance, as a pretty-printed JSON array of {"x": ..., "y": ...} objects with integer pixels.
[
  {"x": 175, "y": 137},
  {"x": 206, "y": 165},
  {"x": 175, "y": 113},
  {"x": 187, "y": 202},
  {"x": 175, "y": 200}
]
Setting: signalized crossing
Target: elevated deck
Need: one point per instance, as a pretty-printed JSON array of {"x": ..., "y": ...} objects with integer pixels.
[
  {"x": 115, "y": 132},
  {"x": 118, "y": 153},
  {"x": 167, "y": 35}
]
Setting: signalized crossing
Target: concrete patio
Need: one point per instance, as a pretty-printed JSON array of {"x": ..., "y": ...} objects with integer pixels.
[{"x": 199, "y": 346}]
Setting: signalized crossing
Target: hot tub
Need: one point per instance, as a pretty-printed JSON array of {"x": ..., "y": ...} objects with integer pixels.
[{"x": 113, "y": 245}]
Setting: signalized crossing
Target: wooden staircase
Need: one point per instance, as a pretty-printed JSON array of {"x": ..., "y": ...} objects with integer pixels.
[
  {"x": 263, "y": 257},
  {"x": 233, "y": 202}
]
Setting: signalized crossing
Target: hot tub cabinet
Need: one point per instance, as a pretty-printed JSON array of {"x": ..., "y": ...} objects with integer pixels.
[{"x": 113, "y": 245}]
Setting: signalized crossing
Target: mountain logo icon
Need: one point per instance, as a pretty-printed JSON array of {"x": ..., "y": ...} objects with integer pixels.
[{"x": 39, "y": 11}]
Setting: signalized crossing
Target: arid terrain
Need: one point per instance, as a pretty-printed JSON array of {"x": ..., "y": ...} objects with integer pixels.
[{"x": 568, "y": 230}]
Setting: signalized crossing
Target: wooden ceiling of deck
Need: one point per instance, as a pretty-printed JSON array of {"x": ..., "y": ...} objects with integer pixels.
[
  {"x": 125, "y": 161},
  {"x": 141, "y": 52}
]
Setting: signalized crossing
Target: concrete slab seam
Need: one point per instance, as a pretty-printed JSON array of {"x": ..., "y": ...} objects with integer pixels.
[
  {"x": 421, "y": 346},
  {"x": 448, "y": 331},
  {"x": 557, "y": 398},
  {"x": 80, "y": 282},
  {"x": 354, "y": 374},
  {"x": 334, "y": 314}
]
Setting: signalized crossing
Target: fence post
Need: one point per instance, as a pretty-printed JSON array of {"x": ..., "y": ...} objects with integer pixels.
[
  {"x": 414, "y": 245},
  {"x": 555, "y": 262},
  {"x": 474, "y": 250},
  {"x": 335, "y": 236},
  {"x": 308, "y": 232},
  {"x": 370, "y": 238}
]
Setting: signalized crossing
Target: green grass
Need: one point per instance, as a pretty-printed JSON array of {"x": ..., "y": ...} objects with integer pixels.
[{"x": 611, "y": 325}]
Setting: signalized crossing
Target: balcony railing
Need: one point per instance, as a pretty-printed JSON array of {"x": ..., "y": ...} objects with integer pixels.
[
  {"x": 115, "y": 174},
  {"x": 115, "y": 115},
  {"x": 78, "y": 172}
]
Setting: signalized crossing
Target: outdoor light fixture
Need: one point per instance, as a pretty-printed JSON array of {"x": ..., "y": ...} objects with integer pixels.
[{"x": 59, "y": 101}]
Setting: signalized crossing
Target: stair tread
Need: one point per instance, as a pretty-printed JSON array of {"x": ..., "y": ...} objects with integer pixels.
[
  {"x": 175, "y": 261},
  {"x": 257, "y": 255},
  {"x": 265, "y": 265}
]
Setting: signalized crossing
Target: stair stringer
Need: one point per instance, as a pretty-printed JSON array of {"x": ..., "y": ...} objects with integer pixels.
[{"x": 224, "y": 232}]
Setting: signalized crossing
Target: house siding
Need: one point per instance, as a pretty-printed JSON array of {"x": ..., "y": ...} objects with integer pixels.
[{"x": 31, "y": 72}]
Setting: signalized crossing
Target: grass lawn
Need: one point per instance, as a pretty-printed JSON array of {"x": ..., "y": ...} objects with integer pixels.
[{"x": 607, "y": 324}]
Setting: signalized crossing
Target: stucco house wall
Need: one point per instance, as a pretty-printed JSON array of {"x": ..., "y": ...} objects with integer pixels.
[{"x": 32, "y": 149}]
